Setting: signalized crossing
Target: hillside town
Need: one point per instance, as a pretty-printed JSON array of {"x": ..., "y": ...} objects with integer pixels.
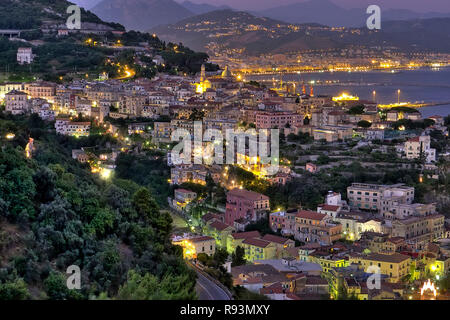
[{"x": 317, "y": 243}]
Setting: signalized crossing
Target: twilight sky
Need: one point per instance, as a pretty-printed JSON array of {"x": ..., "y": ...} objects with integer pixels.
[{"x": 415, "y": 5}]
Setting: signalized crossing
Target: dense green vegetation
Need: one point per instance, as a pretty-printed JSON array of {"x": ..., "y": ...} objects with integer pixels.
[
  {"x": 31, "y": 13},
  {"x": 84, "y": 56},
  {"x": 54, "y": 213}
]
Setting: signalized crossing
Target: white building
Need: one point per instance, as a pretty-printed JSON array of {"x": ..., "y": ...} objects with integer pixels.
[
  {"x": 69, "y": 128},
  {"x": 16, "y": 102},
  {"x": 420, "y": 146},
  {"x": 25, "y": 55},
  {"x": 83, "y": 106},
  {"x": 46, "y": 113}
]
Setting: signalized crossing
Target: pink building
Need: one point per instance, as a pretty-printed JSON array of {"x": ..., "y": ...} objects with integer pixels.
[
  {"x": 284, "y": 221},
  {"x": 311, "y": 167},
  {"x": 245, "y": 204},
  {"x": 271, "y": 120}
]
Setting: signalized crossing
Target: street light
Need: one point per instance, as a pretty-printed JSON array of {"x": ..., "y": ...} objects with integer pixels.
[{"x": 398, "y": 96}]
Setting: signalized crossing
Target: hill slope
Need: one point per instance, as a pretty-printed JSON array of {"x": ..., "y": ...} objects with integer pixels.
[
  {"x": 328, "y": 13},
  {"x": 31, "y": 14},
  {"x": 200, "y": 8},
  {"x": 237, "y": 29},
  {"x": 54, "y": 213},
  {"x": 141, "y": 15},
  {"x": 226, "y": 29}
]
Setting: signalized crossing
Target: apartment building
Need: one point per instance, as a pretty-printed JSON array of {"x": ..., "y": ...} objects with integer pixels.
[
  {"x": 396, "y": 210},
  {"x": 16, "y": 102},
  {"x": 235, "y": 239},
  {"x": 8, "y": 87},
  {"x": 378, "y": 197},
  {"x": 258, "y": 249},
  {"x": 333, "y": 133},
  {"x": 41, "y": 89},
  {"x": 25, "y": 56},
  {"x": 83, "y": 106},
  {"x": 354, "y": 226},
  {"x": 193, "y": 246},
  {"x": 184, "y": 197},
  {"x": 194, "y": 173},
  {"x": 245, "y": 204},
  {"x": 283, "y": 220},
  {"x": 418, "y": 147},
  {"x": 68, "y": 128},
  {"x": 162, "y": 131},
  {"x": 271, "y": 120},
  {"x": 132, "y": 105},
  {"x": 395, "y": 266},
  {"x": 419, "y": 231},
  {"x": 312, "y": 226}
]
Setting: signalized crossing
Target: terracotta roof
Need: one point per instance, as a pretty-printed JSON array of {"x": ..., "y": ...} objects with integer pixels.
[
  {"x": 274, "y": 288},
  {"x": 328, "y": 207},
  {"x": 246, "y": 235},
  {"x": 210, "y": 216},
  {"x": 256, "y": 242},
  {"x": 201, "y": 239},
  {"x": 396, "y": 239},
  {"x": 276, "y": 239},
  {"x": 219, "y": 225},
  {"x": 394, "y": 258},
  {"x": 254, "y": 196},
  {"x": 310, "y": 215}
]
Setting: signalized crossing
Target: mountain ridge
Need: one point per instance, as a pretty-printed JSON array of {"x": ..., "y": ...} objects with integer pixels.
[
  {"x": 328, "y": 13},
  {"x": 238, "y": 30},
  {"x": 140, "y": 15}
]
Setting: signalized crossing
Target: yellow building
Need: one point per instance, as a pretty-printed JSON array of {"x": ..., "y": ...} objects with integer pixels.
[
  {"x": 236, "y": 239},
  {"x": 192, "y": 247},
  {"x": 394, "y": 265},
  {"x": 257, "y": 249},
  {"x": 219, "y": 231},
  {"x": 327, "y": 262},
  {"x": 204, "y": 83}
]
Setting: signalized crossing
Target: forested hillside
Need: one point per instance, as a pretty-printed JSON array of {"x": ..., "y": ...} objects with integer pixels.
[{"x": 54, "y": 213}]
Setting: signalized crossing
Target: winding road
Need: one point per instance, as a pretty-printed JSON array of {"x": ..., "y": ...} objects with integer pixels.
[{"x": 208, "y": 289}]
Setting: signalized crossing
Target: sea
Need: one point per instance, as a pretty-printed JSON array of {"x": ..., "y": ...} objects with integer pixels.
[{"x": 421, "y": 85}]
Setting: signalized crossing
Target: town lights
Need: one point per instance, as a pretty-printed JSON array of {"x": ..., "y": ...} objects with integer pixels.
[
  {"x": 345, "y": 97},
  {"x": 10, "y": 136},
  {"x": 105, "y": 174}
]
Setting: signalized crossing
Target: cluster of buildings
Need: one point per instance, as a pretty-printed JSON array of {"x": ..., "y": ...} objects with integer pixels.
[
  {"x": 333, "y": 251},
  {"x": 309, "y": 253}
]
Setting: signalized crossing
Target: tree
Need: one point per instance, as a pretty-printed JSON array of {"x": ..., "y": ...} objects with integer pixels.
[
  {"x": 144, "y": 204},
  {"x": 238, "y": 257},
  {"x": 149, "y": 287},
  {"x": 221, "y": 256},
  {"x": 364, "y": 124},
  {"x": 45, "y": 179},
  {"x": 15, "y": 290},
  {"x": 359, "y": 109},
  {"x": 56, "y": 288}
]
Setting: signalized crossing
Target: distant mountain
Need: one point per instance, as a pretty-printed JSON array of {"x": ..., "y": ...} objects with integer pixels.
[
  {"x": 327, "y": 13},
  {"x": 86, "y": 4},
  {"x": 244, "y": 32},
  {"x": 416, "y": 35},
  {"x": 241, "y": 30},
  {"x": 141, "y": 15},
  {"x": 200, "y": 8}
]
